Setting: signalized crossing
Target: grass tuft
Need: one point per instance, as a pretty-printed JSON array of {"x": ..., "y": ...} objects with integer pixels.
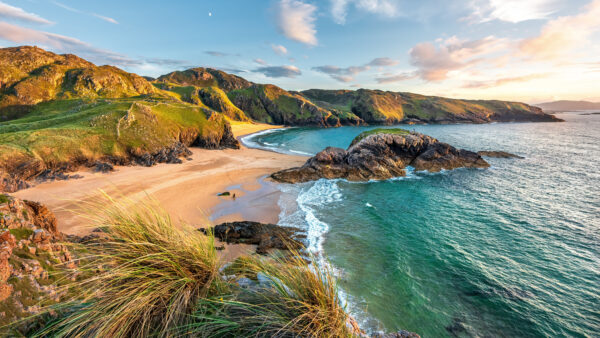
[{"x": 147, "y": 277}]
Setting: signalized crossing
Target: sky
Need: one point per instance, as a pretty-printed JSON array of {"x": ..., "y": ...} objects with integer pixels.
[{"x": 522, "y": 50}]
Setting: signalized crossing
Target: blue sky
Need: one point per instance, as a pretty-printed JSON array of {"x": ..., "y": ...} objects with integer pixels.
[{"x": 529, "y": 50}]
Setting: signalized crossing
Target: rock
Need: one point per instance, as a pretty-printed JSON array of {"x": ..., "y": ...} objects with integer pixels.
[
  {"x": 265, "y": 236},
  {"x": 498, "y": 154},
  {"x": 170, "y": 154},
  {"x": 245, "y": 282},
  {"x": 399, "y": 334},
  {"x": 44, "y": 218},
  {"x": 103, "y": 167},
  {"x": 382, "y": 155}
]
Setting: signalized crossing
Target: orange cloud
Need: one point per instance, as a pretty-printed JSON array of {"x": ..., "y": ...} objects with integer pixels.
[
  {"x": 506, "y": 80},
  {"x": 561, "y": 35}
]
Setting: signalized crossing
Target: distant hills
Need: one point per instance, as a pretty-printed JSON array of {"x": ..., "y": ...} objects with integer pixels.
[
  {"x": 60, "y": 112},
  {"x": 565, "y": 105}
]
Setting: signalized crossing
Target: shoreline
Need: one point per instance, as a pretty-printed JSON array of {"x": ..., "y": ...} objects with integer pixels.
[{"x": 187, "y": 191}]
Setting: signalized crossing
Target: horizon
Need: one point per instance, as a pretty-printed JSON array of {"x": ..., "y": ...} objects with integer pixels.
[{"x": 537, "y": 51}]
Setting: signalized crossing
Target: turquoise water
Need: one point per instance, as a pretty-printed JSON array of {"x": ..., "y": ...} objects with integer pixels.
[{"x": 512, "y": 251}]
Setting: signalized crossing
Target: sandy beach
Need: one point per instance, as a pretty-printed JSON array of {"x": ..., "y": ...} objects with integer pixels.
[{"x": 188, "y": 191}]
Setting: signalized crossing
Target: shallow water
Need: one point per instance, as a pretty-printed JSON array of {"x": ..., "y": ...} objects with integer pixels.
[{"x": 513, "y": 250}]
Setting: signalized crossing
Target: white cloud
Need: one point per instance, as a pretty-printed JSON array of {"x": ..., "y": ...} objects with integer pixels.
[
  {"x": 75, "y": 10},
  {"x": 261, "y": 62},
  {"x": 106, "y": 18},
  {"x": 512, "y": 10},
  {"x": 296, "y": 21},
  {"x": 339, "y": 8},
  {"x": 279, "y": 49},
  {"x": 16, "y": 13}
]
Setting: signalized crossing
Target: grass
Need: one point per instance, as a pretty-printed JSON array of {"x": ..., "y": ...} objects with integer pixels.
[
  {"x": 152, "y": 277},
  {"x": 21, "y": 233},
  {"x": 393, "y": 131},
  {"x": 4, "y": 199},
  {"x": 147, "y": 278}
]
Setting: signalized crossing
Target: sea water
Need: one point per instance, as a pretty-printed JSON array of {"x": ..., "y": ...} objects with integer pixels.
[{"x": 512, "y": 251}]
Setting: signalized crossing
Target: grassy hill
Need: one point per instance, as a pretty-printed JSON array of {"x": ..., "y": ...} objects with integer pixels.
[{"x": 59, "y": 112}]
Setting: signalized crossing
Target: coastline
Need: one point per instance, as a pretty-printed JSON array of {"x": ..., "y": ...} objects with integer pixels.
[{"x": 187, "y": 191}]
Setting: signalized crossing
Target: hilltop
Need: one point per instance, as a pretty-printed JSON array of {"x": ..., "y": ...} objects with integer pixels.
[{"x": 267, "y": 103}]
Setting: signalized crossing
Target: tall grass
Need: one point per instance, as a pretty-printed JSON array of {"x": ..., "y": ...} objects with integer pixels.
[
  {"x": 145, "y": 279},
  {"x": 299, "y": 300}
]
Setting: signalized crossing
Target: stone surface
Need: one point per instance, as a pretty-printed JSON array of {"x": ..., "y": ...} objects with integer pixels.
[
  {"x": 382, "y": 156},
  {"x": 498, "y": 154},
  {"x": 265, "y": 236}
]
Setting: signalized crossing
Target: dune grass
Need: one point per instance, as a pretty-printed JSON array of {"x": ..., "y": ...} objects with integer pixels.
[
  {"x": 148, "y": 276},
  {"x": 145, "y": 279}
]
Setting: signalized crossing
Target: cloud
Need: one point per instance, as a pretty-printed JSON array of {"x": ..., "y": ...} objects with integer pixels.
[
  {"x": 215, "y": 53},
  {"x": 61, "y": 43},
  {"x": 233, "y": 70},
  {"x": 561, "y": 35},
  {"x": 16, "y": 13},
  {"x": 106, "y": 18},
  {"x": 261, "y": 62},
  {"x": 341, "y": 74},
  {"x": 435, "y": 62},
  {"x": 296, "y": 21},
  {"x": 383, "y": 62},
  {"x": 505, "y": 80},
  {"x": 75, "y": 10},
  {"x": 512, "y": 10},
  {"x": 279, "y": 49},
  {"x": 339, "y": 8},
  {"x": 395, "y": 78},
  {"x": 279, "y": 71}
]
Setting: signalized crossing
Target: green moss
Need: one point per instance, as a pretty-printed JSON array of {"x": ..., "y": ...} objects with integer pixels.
[
  {"x": 393, "y": 131},
  {"x": 4, "y": 199},
  {"x": 21, "y": 233}
]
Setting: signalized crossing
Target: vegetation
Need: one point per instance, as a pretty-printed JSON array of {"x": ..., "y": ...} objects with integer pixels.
[
  {"x": 394, "y": 131},
  {"x": 151, "y": 277}
]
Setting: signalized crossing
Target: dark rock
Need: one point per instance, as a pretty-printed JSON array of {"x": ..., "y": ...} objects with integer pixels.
[
  {"x": 103, "y": 167},
  {"x": 497, "y": 154},
  {"x": 382, "y": 156},
  {"x": 170, "y": 154},
  {"x": 399, "y": 334},
  {"x": 265, "y": 236},
  {"x": 225, "y": 193}
]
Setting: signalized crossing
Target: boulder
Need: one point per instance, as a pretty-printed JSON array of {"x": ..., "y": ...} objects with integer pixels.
[
  {"x": 382, "y": 155},
  {"x": 265, "y": 236}
]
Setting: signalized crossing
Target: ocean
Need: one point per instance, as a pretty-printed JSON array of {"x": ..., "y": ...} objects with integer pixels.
[{"x": 509, "y": 251}]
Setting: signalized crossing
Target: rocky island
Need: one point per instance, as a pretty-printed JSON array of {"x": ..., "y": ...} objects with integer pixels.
[{"x": 382, "y": 154}]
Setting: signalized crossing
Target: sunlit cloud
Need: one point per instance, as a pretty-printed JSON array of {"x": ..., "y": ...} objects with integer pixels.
[
  {"x": 75, "y": 10},
  {"x": 560, "y": 36},
  {"x": 395, "y": 78},
  {"x": 261, "y": 62},
  {"x": 106, "y": 18},
  {"x": 279, "y": 49},
  {"x": 9, "y": 12},
  {"x": 296, "y": 21},
  {"x": 512, "y": 10},
  {"x": 505, "y": 80}
]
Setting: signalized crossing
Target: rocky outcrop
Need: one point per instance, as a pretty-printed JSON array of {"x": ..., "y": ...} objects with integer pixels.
[
  {"x": 30, "y": 249},
  {"x": 498, "y": 154},
  {"x": 380, "y": 156},
  {"x": 265, "y": 236}
]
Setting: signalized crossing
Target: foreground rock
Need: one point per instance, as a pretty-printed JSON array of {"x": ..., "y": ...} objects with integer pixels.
[
  {"x": 498, "y": 154},
  {"x": 382, "y": 154},
  {"x": 31, "y": 252},
  {"x": 265, "y": 236}
]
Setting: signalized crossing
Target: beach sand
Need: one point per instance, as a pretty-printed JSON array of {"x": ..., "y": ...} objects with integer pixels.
[{"x": 187, "y": 191}]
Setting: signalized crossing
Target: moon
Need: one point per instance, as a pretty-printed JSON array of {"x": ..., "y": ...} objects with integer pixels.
[{"x": 209, "y": 13}]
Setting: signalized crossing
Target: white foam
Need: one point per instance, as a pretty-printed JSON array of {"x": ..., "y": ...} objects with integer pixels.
[{"x": 300, "y": 152}]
